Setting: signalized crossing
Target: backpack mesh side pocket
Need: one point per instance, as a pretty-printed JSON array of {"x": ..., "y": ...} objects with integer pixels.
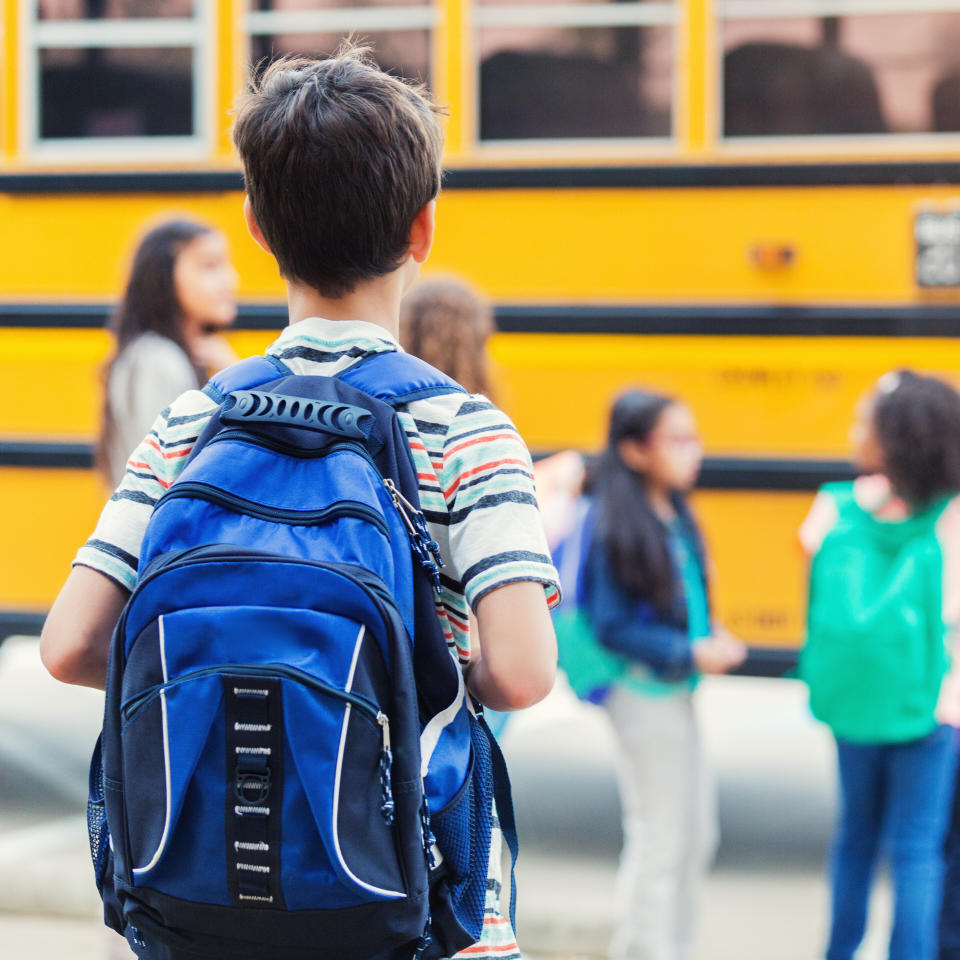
[
  {"x": 97, "y": 829},
  {"x": 463, "y": 832}
]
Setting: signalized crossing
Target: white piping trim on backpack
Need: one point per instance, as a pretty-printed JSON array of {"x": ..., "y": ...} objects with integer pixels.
[
  {"x": 336, "y": 784},
  {"x": 166, "y": 758},
  {"x": 433, "y": 730}
]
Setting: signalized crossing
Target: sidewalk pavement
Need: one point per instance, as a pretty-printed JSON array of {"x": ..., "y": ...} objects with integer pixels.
[{"x": 765, "y": 901}]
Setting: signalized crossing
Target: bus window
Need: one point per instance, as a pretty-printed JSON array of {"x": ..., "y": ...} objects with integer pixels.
[
  {"x": 112, "y": 9},
  {"x": 102, "y": 78},
  {"x": 573, "y": 70},
  {"x": 397, "y": 31},
  {"x": 869, "y": 73},
  {"x": 116, "y": 93}
]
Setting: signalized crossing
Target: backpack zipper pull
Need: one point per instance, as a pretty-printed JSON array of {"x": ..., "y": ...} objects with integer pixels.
[
  {"x": 399, "y": 502},
  {"x": 430, "y": 848},
  {"x": 424, "y": 546},
  {"x": 419, "y": 519},
  {"x": 386, "y": 765}
]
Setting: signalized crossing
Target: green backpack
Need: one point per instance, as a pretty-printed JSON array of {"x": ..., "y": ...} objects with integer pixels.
[
  {"x": 875, "y": 653},
  {"x": 591, "y": 669}
]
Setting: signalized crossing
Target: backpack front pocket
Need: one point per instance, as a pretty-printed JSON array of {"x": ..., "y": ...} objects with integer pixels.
[{"x": 242, "y": 772}]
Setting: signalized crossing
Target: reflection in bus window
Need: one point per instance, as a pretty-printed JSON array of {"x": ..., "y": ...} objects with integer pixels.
[
  {"x": 399, "y": 39},
  {"x": 560, "y": 82},
  {"x": 404, "y": 53},
  {"x": 145, "y": 92},
  {"x": 865, "y": 74},
  {"x": 112, "y": 9},
  {"x": 300, "y": 6}
]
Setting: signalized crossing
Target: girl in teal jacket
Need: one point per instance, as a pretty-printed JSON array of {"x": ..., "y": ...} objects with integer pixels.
[{"x": 884, "y": 602}]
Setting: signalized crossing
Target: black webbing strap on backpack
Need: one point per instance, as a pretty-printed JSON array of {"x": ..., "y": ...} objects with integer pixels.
[{"x": 254, "y": 790}]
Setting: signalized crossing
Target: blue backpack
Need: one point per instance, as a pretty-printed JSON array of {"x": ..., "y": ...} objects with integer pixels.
[{"x": 290, "y": 767}]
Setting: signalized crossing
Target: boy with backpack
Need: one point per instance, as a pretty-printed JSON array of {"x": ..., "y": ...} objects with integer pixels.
[{"x": 306, "y": 538}]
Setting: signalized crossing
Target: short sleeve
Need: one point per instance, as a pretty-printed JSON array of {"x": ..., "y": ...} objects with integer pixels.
[
  {"x": 495, "y": 529},
  {"x": 114, "y": 547},
  {"x": 819, "y": 522}
]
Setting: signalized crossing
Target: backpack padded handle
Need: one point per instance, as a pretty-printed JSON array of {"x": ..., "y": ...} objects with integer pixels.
[{"x": 243, "y": 407}]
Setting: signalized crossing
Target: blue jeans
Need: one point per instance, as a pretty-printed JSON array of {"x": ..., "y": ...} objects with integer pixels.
[
  {"x": 950, "y": 911},
  {"x": 901, "y": 793}
]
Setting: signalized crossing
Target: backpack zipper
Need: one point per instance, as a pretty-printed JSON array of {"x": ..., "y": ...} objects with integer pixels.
[
  {"x": 134, "y": 705},
  {"x": 197, "y": 490},
  {"x": 289, "y": 449},
  {"x": 426, "y": 549}
]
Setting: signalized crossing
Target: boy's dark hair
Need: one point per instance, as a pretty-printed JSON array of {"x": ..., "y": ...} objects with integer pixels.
[
  {"x": 917, "y": 424},
  {"x": 339, "y": 157}
]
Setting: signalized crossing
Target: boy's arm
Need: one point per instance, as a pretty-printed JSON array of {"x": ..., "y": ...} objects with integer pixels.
[
  {"x": 499, "y": 551},
  {"x": 75, "y": 639},
  {"x": 517, "y": 661}
]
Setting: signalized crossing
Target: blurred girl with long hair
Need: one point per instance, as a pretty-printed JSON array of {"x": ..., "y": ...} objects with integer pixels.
[{"x": 179, "y": 298}]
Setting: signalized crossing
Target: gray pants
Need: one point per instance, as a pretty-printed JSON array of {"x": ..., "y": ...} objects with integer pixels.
[{"x": 669, "y": 823}]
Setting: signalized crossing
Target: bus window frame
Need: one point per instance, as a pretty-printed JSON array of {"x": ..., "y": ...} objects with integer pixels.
[
  {"x": 346, "y": 20},
  {"x": 650, "y": 13},
  {"x": 196, "y": 33},
  {"x": 815, "y": 144}
]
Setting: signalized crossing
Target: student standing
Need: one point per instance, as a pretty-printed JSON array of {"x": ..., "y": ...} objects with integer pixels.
[
  {"x": 646, "y": 596},
  {"x": 180, "y": 296},
  {"x": 324, "y": 144},
  {"x": 883, "y": 603}
]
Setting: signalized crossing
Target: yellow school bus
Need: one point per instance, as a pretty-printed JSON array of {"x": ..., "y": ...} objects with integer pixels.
[{"x": 752, "y": 204}]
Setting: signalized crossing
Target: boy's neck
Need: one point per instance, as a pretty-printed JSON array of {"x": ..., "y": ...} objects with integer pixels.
[{"x": 375, "y": 301}]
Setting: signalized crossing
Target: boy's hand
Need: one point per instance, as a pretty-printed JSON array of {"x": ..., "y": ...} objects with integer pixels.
[{"x": 719, "y": 654}]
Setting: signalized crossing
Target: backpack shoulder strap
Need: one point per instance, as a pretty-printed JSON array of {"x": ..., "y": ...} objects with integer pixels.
[
  {"x": 397, "y": 378},
  {"x": 245, "y": 375}
]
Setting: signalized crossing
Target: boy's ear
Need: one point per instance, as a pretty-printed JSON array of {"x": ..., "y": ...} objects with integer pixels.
[
  {"x": 421, "y": 232},
  {"x": 253, "y": 227}
]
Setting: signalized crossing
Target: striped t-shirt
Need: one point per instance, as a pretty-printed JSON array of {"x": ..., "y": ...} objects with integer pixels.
[{"x": 476, "y": 491}]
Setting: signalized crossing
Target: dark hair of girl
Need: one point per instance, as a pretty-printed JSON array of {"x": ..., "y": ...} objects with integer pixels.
[
  {"x": 917, "y": 424},
  {"x": 635, "y": 538},
  {"x": 149, "y": 304}
]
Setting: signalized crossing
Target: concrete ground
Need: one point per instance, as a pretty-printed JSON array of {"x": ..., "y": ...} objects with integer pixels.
[{"x": 765, "y": 900}]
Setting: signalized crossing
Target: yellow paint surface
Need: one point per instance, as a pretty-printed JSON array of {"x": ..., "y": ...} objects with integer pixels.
[
  {"x": 759, "y": 570},
  {"x": 47, "y": 515},
  {"x": 852, "y": 244},
  {"x": 753, "y": 396}
]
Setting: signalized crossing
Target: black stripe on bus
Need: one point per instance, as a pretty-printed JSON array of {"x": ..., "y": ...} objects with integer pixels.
[
  {"x": 767, "y": 662},
  {"x": 920, "y": 173},
  {"x": 90, "y": 316},
  {"x": 46, "y": 455},
  {"x": 919, "y": 320},
  {"x": 719, "y": 473},
  {"x": 761, "y": 320},
  {"x": 27, "y": 623}
]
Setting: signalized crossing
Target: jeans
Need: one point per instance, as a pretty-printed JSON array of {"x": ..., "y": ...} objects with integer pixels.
[
  {"x": 899, "y": 792},
  {"x": 950, "y": 911}
]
